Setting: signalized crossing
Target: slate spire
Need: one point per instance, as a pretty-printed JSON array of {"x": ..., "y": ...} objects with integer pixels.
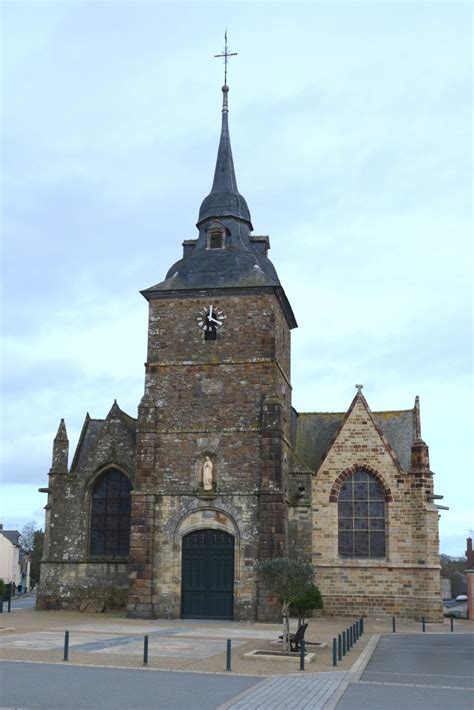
[{"x": 224, "y": 200}]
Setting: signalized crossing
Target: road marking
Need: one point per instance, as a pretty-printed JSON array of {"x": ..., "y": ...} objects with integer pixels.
[
  {"x": 428, "y": 675},
  {"x": 417, "y": 685}
]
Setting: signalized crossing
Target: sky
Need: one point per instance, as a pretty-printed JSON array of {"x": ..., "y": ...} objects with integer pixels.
[{"x": 351, "y": 133}]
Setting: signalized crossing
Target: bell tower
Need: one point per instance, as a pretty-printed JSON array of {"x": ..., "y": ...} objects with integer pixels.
[{"x": 213, "y": 432}]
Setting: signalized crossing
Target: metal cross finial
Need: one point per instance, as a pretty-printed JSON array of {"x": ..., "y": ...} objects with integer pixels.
[
  {"x": 226, "y": 54},
  {"x": 359, "y": 388}
]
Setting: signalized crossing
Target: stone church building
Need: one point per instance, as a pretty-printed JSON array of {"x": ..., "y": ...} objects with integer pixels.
[{"x": 167, "y": 514}]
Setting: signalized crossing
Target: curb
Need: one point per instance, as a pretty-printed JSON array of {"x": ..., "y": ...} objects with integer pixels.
[{"x": 355, "y": 672}]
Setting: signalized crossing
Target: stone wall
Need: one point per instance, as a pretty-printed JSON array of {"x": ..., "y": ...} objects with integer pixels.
[
  {"x": 407, "y": 581},
  {"x": 228, "y": 399},
  {"x": 98, "y": 586},
  {"x": 69, "y": 574}
]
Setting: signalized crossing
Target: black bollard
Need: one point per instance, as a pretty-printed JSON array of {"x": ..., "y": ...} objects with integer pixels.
[
  {"x": 339, "y": 647},
  {"x": 361, "y": 625},
  {"x": 452, "y": 623},
  {"x": 145, "y": 651},
  {"x": 344, "y": 643},
  {"x": 351, "y": 639},
  {"x": 229, "y": 656},
  {"x": 334, "y": 652},
  {"x": 356, "y": 631},
  {"x": 66, "y": 646},
  {"x": 302, "y": 654},
  {"x": 393, "y": 624},
  {"x": 423, "y": 624}
]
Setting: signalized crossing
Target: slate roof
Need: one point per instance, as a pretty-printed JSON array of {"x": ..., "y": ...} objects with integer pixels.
[
  {"x": 224, "y": 200},
  {"x": 12, "y": 535},
  {"x": 240, "y": 264},
  {"x": 236, "y": 266},
  {"x": 315, "y": 432}
]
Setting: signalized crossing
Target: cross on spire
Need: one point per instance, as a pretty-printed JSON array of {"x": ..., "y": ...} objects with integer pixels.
[{"x": 226, "y": 54}]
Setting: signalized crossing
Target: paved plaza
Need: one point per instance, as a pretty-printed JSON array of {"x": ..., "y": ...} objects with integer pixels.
[{"x": 187, "y": 665}]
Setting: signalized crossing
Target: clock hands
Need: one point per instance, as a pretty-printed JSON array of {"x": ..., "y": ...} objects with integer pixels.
[
  {"x": 210, "y": 320},
  {"x": 210, "y": 317}
]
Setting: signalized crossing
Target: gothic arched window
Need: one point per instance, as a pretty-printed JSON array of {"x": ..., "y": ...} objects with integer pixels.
[
  {"x": 361, "y": 516},
  {"x": 110, "y": 515}
]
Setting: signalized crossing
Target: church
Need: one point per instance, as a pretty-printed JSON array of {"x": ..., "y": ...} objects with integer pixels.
[{"x": 168, "y": 514}]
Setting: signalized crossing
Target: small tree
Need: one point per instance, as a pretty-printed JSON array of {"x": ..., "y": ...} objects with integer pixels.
[
  {"x": 27, "y": 536},
  {"x": 286, "y": 579},
  {"x": 309, "y": 599}
]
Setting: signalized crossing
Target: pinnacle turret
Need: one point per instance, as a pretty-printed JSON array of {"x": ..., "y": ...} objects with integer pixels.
[{"x": 60, "y": 450}]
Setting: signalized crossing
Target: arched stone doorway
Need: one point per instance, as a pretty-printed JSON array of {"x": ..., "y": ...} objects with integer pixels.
[{"x": 207, "y": 575}]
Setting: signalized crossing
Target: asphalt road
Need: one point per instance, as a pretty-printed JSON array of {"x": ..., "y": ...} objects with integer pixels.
[
  {"x": 19, "y": 602},
  {"x": 54, "y": 687},
  {"x": 416, "y": 672}
]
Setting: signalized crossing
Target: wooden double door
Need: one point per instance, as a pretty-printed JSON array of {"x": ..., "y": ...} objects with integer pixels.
[{"x": 207, "y": 575}]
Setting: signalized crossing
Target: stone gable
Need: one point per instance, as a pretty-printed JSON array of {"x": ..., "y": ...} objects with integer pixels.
[{"x": 378, "y": 586}]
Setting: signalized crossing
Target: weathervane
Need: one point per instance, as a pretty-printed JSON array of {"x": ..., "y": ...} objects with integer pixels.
[{"x": 226, "y": 54}]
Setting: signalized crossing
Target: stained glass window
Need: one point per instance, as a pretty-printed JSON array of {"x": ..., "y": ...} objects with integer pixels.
[
  {"x": 110, "y": 515},
  {"x": 361, "y": 517}
]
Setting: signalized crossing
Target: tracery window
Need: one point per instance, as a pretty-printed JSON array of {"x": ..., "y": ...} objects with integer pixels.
[
  {"x": 110, "y": 515},
  {"x": 361, "y": 517}
]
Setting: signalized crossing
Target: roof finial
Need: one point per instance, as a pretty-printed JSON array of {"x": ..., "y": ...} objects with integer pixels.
[
  {"x": 359, "y": 389},
  {"x": 225, "y": 54}
]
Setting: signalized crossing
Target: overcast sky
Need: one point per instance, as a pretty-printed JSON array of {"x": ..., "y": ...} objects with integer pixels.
[{"x": 350, "y": 126}]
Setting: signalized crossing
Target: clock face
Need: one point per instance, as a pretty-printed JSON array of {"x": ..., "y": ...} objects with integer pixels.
[{"x": 210, "y": 319}]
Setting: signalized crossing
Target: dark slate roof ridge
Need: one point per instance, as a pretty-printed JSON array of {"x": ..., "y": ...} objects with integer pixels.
[
  {"x": 316, "y": 433},
  {"x": 341, "y": 414}
]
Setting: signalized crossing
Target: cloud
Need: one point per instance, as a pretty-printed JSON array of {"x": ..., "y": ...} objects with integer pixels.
[{"x": 350, "y": 127}]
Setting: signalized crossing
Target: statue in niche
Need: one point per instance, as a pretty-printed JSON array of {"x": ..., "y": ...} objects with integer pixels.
[{"x": 207, "y": 481}]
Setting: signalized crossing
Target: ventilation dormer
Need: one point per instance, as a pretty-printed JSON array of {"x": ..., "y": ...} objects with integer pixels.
[{"x": 216, "y": 236}]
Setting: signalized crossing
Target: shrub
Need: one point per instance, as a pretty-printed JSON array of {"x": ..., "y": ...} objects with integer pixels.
[{"x": 309, "y": 599}]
